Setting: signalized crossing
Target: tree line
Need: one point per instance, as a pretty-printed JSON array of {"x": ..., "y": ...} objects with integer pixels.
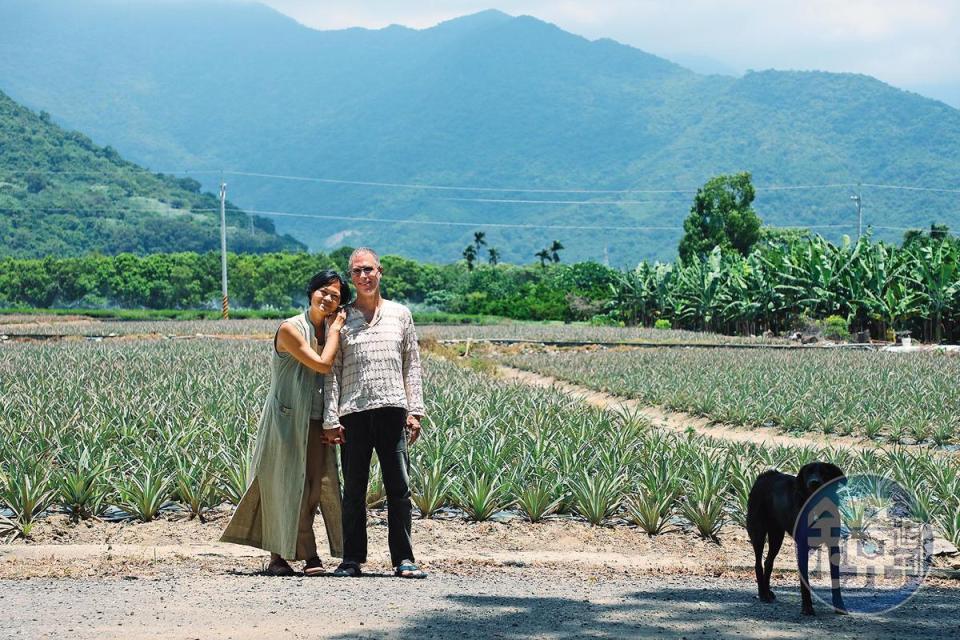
[
  {"x": 781, "y": 283},
  {"x": 733, "y": 276}
]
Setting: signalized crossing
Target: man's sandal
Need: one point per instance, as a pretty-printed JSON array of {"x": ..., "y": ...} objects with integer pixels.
[
  {"x": 407, "y": 569},
  {"x": 313, "y": 567},
  {"x": 347, "y": 570}
]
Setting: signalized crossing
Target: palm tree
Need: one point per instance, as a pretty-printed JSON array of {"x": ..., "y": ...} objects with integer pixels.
[
  {"x": 554, "y": 250},
  {"x": 470, "y": 255},
  {"x": 544, "y": 255},
  {"x": 478, "y": 239},
  {"x": 494, "y": 255}
]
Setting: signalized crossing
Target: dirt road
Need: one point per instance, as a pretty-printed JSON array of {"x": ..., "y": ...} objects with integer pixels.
[{"x": 499, "y": 603}]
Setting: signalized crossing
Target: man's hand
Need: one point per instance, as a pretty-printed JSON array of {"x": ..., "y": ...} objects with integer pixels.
[
  {"x": 413, "y": 428},
  {"x": 333, "y": 437}
]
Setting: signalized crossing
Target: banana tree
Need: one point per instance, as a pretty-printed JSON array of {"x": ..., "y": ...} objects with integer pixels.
[
  {"x": 811, "y": 277},
  {"x": 699, "y": 289},
  {"x": 937, "y": 270}
]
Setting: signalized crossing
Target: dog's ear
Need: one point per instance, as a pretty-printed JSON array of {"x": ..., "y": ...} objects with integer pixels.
[
  {"x": 833, "y": 472},
  {"x": 800, "y": 482}
]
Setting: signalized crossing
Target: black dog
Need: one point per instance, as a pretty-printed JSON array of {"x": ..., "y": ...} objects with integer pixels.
[{"x": 773, "y": 508}]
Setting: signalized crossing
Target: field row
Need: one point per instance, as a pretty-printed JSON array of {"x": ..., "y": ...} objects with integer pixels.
[
  {"x": 539, "y": 331},
  {"x": 141, "y": 424},
  {"x": 896, "y": 398},
  {"x": 85, "y": 326},
  {"x": 578, "y": 332}
]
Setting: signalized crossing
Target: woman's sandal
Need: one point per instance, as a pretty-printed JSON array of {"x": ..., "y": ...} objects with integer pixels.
[
  {"x": 407, "y": 569},
  {"x": 347, "y": 570},
  {"x": 313, "y": 567},
  {"x": 280, "y": 568}
]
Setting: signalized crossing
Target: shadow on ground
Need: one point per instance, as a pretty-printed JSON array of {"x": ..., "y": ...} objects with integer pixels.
[{"x": 671, "y": 612}]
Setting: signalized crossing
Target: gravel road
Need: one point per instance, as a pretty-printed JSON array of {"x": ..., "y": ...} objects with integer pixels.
[{"x": 501, "y": 603}]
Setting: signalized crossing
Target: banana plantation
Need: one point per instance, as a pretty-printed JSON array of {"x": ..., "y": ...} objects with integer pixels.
[
  {"x": 873, "y": 285},
  {"x": 137, "y": 428}
]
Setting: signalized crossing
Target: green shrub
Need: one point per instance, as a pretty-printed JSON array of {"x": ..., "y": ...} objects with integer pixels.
[
  {"x": 662, "y": 323},
  {"x": 835, "y": 328},
  {"x": 604, "y": 320}
]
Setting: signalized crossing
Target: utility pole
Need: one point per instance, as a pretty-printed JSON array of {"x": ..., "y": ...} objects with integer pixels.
[
  {"x": 223, "y": 248},
  {"x": 859, "y": 202}
]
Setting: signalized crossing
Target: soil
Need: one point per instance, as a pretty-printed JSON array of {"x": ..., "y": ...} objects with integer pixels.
[
  {"x": 512, "y": 603},
  {"x": 559, "y": 578},
  {"x": 58, "y": 547}
]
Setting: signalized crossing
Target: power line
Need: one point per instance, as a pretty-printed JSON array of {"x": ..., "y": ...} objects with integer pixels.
[
  {"x": 437, "y": 187},
  {"x": 399, "y": 185},
  {"x": 82, "y": 210},
  {"x": 907, "y": 188},
  {"x": 517, "y": 201},
  {"x": 475, "y": 225},
  {"x": 425, "y": 186},
  {"x": 793, "y": 187},
  {"x": 355, "y": 218},
  {"x": 102, "y": 172}
]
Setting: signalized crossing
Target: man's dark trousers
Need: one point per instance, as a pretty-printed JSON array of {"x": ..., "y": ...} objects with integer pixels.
[{"x": 381, "y": 430}]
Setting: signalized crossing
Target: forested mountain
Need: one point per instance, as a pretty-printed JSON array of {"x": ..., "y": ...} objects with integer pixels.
[
  {"x": 488, "y": 101},
  {"x": 62, "y": 195}
]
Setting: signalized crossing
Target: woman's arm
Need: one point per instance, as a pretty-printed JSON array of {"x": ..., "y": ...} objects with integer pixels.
[{"x": 290, "y": 341}]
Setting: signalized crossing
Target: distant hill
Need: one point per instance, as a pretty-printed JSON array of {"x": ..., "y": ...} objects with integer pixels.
[
  {"x": 488, "y": 101},
  {"x": 62, "y": 195}
]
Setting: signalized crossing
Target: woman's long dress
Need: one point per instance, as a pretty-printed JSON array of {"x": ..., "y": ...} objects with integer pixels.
[{"x": 268, "y": 516}]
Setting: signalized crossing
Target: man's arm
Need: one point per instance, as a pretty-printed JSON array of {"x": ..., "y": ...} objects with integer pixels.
[
  {"x": 412, "y": 377},
  {"x": 333, "y": 432}
]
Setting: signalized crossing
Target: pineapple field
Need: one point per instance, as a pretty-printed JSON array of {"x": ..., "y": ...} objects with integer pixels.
[
  {"x": 130, "y": 429},
  {"x": 883, "y": 397}
]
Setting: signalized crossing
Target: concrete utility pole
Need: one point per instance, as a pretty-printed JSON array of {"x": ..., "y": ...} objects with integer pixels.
[
  {"x": 859, "y": 202},
  {"x": 223, "y": 249}
]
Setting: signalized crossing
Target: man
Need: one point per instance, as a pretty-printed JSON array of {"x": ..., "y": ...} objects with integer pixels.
[{"x": 374, "y": 402}]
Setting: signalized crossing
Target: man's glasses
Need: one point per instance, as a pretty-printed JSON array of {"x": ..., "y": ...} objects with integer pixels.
[{"x": 356, "y": 271}]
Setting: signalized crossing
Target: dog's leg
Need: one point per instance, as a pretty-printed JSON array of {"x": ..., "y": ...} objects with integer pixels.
[
  {"x": 836, "y": 596},
  {"x": 776, "y": 541},
  {"x": 803, "y": 563},
  {"x": 758, "y": 536}
]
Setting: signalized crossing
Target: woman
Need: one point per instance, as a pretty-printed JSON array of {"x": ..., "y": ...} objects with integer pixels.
[{"x": 294, "y": 463}]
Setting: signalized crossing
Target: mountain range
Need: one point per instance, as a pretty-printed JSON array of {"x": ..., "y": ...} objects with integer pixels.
[
  {"x": 410, "y": 140},
  {"x": 62, "y": 195}
]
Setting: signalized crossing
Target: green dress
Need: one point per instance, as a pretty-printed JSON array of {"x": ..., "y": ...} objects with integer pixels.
[{"x": 268, "y": 516}]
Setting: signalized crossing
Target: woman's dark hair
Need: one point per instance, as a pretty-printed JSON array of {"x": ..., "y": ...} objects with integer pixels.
[{"x": 324, "y": 278}]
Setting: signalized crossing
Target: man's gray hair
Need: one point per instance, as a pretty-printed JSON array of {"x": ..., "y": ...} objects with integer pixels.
[{"x": 363, "y": 250}]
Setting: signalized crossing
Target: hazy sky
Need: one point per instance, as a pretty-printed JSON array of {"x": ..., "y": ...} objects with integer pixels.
[{"x": 912, "y": 44}]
